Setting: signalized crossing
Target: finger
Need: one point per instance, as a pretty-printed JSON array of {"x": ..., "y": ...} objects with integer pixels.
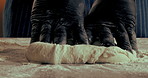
[
  {"x": 122, "y": 37},
  {"x": 132, "y": 38},
  {"x": 45, "y": 34},
  {"x": 35, "y": 32},
  {"x": 106, "y": 36},
  {"x": 70, "y": 37},
  {"x": 130, "y": 28},
  {"x": 89, "y": 31},
  {"x": 60, "y": 35},
  {"x": 80, "y": 35},
  {"x": 37, "y": 18}
]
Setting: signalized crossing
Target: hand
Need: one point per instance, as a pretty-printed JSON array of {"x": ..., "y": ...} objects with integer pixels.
[
  {"x": 54, "y": 22},
  {"x": 108, "y": 20}
]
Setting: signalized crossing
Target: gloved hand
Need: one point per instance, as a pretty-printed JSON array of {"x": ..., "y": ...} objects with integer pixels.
[
  {"x": 55, "y": 21},
  {"x": 109, "y": 19}
]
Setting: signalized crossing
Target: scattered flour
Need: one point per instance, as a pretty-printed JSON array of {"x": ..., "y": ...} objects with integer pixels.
[
  {"x": 13, "y": 44},
  {"x": 2, "y": 59}
]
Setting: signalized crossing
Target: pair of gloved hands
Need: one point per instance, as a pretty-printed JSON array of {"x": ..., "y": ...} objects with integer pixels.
[{"x": 63, "y": 22}]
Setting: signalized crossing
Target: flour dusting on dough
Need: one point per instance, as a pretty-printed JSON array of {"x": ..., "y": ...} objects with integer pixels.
[{"x": 57, "y": 54}]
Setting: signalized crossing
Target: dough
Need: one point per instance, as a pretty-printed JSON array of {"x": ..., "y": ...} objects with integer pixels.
[
  {"x": 116, "y": 54},
  {"x": 40, "y": 52}
]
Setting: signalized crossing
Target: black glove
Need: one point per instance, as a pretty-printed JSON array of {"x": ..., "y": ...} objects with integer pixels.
[
  {"x": 109, "y": 19},
  {"x": 58, "y": 20}
]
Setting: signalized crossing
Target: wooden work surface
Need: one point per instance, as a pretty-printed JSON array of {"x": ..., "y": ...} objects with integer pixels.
[{"x": 13, "y": 64}]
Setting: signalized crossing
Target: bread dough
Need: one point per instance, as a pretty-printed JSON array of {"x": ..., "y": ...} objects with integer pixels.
[
  {"x": 116, "y": 54},
  {"x": 40, "y": 52}
]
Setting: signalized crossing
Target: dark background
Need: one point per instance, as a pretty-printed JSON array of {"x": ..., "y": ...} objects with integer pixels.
[
  {"x": 2, "y": 3},
  {"x": 142, "y": 18}
]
